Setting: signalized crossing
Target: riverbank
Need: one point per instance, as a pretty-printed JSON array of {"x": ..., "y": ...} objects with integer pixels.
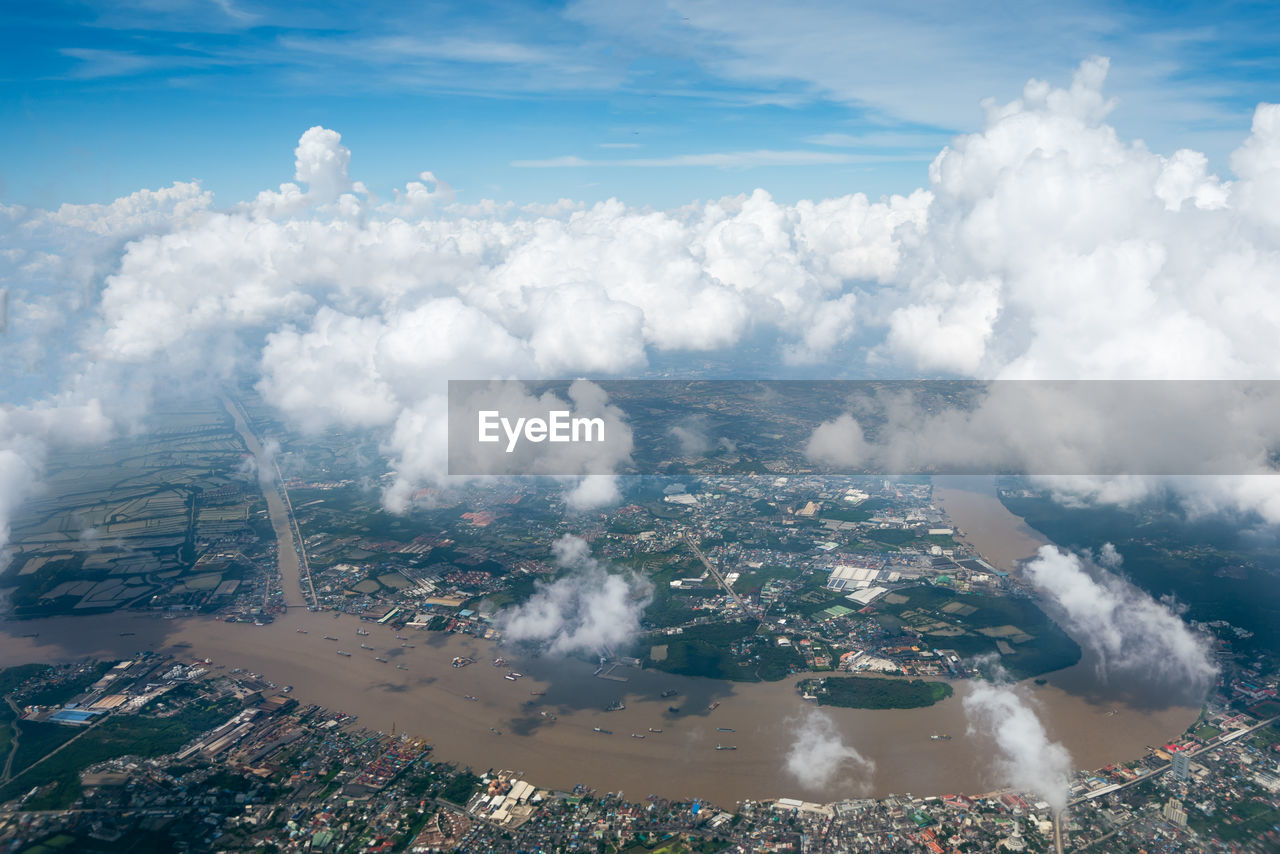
[
  {"x": 544, "y": 722},
  {"x": 461, "y": 709}
]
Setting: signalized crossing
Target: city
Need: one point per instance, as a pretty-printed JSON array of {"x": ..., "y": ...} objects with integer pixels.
[{"x": 857, "y": 593}]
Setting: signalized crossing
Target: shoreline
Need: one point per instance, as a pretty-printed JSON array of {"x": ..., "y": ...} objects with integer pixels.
[{"x": 429, "y": 699}]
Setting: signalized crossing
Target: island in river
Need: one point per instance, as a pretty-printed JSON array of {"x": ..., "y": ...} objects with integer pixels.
[{"x": 874, "y": 692}]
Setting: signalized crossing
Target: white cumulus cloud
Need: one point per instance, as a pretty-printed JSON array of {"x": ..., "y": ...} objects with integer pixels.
[
  {"x": 1026, "y": 758},
  {"x": 587, "y": 610},
  {"x": 1132, "y": 633},
  {"x": 819, "y": 757},
  {"x": 1043, "y": 245}
]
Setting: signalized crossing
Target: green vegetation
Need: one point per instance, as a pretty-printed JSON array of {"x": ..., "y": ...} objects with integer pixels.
[
  {"x": 58, "y": 842},
  {"x": 461, "y": 788},
  {"x": 752, "y": 580},
  {"x": 114, "y": 737},
  {"x": 11, "y": 679},
  {"x": 668, "y": 844},
  {"x": 1211, "y": 564},
  {"x": 703, "y": 651},
  {"x": 975, "y": 625},
  {"x": 515, "y": 593},
  {"x": 56, "y": 695},
  {"x": 37, "y": 739},
  {"x": 891, "y": 536},
  {"x": 668, "y": 608},
  {"x": 870, "y": 692},
  {"x": 856, "y": 513},
  {"x": 1262, "y": 739},
  {"x": 707, "y": 651},
  {"x": 1244, "y": 821}
]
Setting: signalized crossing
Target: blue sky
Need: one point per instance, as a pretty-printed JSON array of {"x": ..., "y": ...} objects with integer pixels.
[{"x": 656, "y": 104}]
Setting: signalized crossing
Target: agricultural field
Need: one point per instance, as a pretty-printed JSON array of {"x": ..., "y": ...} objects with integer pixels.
[
  {"x": 122, "y": 524},
  {"x": 1027, "y": 641}
]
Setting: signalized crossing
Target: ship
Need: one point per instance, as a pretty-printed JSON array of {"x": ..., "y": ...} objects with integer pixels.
[
  {"x": 302, "y": 631},
  {"x": 615, "y": 706},
  {"x": 675, "y": 710},
  {"x": 127, "y": 634},
  {"x": 937, "y": 737},
  {"x": 498, "y": 662},
  {"x": 383, "y": 660},
  {"x": 726, "y": 747},
  {"x": 344, "y": 652},
  {"x": 401, "y": 637},
  {"x": 407, "y": 645},
  {"x": 517, "y": 675},
  {"x": 362, "y": 632},
  {"x": 471, "y": 698},
  {"x": 365, "y": 646},
  {"x": 724, "y": 729},
  {"x": 509, "y": 676},
  {"x": 602, "y": 731},
  {"x": 459, "y": 661},
  {"x": 713, "y": 707},
  {"x": 651, "y": 729},
  {"x": 330, "y": 637},
  {"x": 637, "y": 735},
  {"x": 670, "y": 692},
  {"x": 401, "y": 667},
  {"x": 537, "y": 693}
]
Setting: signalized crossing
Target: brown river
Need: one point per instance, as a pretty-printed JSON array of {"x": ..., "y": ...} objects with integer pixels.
[{"x": 503, "y": 726}]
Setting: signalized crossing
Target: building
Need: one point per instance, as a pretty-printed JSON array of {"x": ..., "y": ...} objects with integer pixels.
[
  {"x": 1014, "y": 842},
  {"x": 1181, "y": 767},
  {"x": 1174, "y": 813}
]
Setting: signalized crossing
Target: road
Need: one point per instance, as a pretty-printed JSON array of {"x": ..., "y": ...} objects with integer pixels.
[
  {"x": 715, "y": 573},
  {"x": 295, "y": 571},
  {"x": 13, "y": 745},
  {"x": 1057, "y": 819},
  {"x": 1211, "y": 746},
  {"x": 84, "y": 729}
]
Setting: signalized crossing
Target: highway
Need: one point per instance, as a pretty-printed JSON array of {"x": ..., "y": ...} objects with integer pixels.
[
  {"x": 1211, "y": 746},
  {"x": 1057, "y": 818},
  {"x": 715, "y": 573}
]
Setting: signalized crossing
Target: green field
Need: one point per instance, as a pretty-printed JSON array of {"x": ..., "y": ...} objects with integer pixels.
[
  {"x": 117, "y": 736},
  {"x": 152, "y": 502},
  {"x": 950, "y": 620},
  {"x": 1245, "y": 821},
  {"x": 10, "y": 679},
  {"x": 704, "y": 651},
  {"x": 870, "y": 692}
]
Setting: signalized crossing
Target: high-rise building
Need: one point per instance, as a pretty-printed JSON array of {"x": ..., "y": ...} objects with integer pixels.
[
  {"x": 1174, "y": 813},
  {"x": 1181, "y": 767}
]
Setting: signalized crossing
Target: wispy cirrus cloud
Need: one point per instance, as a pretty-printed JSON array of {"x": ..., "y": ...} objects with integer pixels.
[
  {"x": 95, "y": 63},
  {"x": 722, "y": 160}
]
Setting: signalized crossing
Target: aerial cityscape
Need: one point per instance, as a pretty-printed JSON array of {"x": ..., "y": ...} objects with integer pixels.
[{"x": 729, "y": 445}]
